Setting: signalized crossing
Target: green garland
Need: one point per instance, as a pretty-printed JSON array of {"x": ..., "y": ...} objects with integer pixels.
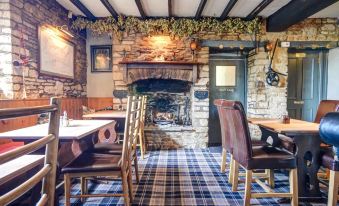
[{"x": 183, "y": 27}]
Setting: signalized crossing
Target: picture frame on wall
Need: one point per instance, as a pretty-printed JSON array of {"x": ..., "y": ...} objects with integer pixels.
[
  {"x": 56, "y": 53},
  {"x": 101, "y": 58}
]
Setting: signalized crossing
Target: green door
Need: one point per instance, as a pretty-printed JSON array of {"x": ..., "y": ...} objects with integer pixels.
[
  {"x": 227, "y": 81},
  {"x": 306, "y": 80}
]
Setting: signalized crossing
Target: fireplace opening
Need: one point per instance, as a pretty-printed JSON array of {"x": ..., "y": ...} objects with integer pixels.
[{"x": 169, "y": 101}]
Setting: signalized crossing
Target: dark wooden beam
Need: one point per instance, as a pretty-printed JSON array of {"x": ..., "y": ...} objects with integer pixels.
[
  {"x": 258, "y": 9},
  {"x": 83, "y": 9},
  {"x": 140, "y": 8},
  {"x": 227, "y": 9},
  {"x": 200, "y": 9},
  {"x": 170, "y": 6},
  {"x": 110, "y": 8},
  {"x": 294, "y": 12}
]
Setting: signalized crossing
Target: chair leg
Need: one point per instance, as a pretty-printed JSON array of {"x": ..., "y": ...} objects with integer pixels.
[
  {"x": 230, "y": 175},
  {"x": 333, "y": 188},
  {"x": 136, "y": 170},
  {"x": 83, "y": 183},
  {"x": 141, "y": 143},
  {"x": 235, "y": 176},
  {"x": 248, "y": 181},
  {"x": 271, "y": 178},
  {"x": 223, "y": 161},
  {"x": 125, "y": 188},
  {"x": 130, "y": 182},
  {"x": 294, "y": 187},
  {"x": 67, "y": 186}
]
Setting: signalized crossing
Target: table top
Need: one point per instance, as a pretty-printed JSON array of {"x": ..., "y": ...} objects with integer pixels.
[
  {"x": 19, "y": 166},
  {"x": 77, "y": 130},
  {"x": 106, "y": 114},
  {"x": 295, "y": 126}
]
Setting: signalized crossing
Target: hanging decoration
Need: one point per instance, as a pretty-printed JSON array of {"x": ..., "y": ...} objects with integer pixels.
[
  {"x": 183, "y": 27},
  {"x": 24, "y": 62},
  {"x": 272, "y": 76}
]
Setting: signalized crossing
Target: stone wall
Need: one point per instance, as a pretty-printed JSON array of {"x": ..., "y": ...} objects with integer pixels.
[
  {"x": 268, "y": 101},
  {"x": 25, "y": 17}
]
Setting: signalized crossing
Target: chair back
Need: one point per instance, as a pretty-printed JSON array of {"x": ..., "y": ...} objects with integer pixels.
[
  {"x": 143, "y": 113},
  {"x": 132, "y": 125},
  {"x": 48, "y": 173},
  {"x": 239, "y": 135},
  {"x": 325, "y": 107},
  {"x": 329, "y": 128},
  {"x": 224, "y": 118}
]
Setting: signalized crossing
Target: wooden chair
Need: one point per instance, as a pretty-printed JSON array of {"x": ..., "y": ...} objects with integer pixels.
[
  {"x": 329, "y": 133},
  {"x": 225, "y": 120},
  {"x": 91, "y": 164},
  {"x": 142, "y": 140},
  {"x": 48, "y": 173},
  {"x": 256, "y": 157}
]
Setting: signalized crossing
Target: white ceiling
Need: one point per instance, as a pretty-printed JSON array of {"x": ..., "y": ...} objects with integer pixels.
[
  {"x": 187, "y": 8},
  {"x": 331, "y": 11}
]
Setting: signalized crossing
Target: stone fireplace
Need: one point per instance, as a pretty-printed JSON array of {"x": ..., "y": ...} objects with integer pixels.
[{"x": 174, "y": 116}]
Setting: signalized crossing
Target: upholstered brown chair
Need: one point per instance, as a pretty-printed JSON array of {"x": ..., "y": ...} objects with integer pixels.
[
  {"x": 90, "y": 164},
  {"x": 256, "y": 157},
  {"x": 225, "y": 121},
  {"x": 329, "y": 133}
]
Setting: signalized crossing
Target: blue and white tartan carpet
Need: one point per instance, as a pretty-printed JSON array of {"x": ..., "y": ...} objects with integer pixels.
[{"x": 180, "y": 177}]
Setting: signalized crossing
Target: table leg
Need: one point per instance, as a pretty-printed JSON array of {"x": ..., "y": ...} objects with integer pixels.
[{"x": 308, "y": 159}]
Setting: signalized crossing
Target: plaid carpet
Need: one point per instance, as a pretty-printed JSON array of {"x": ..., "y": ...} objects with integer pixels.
[{"x": 181, "y": 177}]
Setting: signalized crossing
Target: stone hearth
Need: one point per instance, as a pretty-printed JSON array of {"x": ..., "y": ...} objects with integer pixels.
[{"x": 170, "y": 86}]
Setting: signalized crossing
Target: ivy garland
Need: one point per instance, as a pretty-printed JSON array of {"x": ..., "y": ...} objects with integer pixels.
[{"x": 183, "y": 27}]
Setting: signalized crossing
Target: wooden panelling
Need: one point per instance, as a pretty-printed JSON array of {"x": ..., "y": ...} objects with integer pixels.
[{"x": 99, "y": 103}]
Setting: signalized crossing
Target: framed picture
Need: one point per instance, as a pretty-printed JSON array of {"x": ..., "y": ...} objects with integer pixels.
[
  {"x": 101, "y": 58},
  {"x": 57, "y": 53}
]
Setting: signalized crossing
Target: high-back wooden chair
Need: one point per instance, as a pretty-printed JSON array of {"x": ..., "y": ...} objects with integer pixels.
[
  {"x": 142, "y": 140},
  {"x": 48, "y": 173},
  {"x": 93, "y": 164}
]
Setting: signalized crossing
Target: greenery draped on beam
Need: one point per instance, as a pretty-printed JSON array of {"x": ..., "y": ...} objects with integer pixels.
[{"x": 182, "y": 27}]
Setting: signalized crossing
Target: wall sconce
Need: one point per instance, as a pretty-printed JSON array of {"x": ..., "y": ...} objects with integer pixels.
[
  {"x": 268, "y": 47},
  {"x": 64, "y": 29},
  {"x": 194, "y": 47}
]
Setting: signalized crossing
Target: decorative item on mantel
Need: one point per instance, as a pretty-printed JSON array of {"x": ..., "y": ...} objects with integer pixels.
[{"x": 194, "y": 47}]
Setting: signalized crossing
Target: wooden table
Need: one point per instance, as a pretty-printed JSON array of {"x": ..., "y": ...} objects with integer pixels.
[
  {"x": 305, "y": 135},
  {"x": 117, "y": 115},
  {"x": 78, "y": 137}
]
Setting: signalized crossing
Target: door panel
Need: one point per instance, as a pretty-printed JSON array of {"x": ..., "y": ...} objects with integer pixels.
[
  {"x": 304, "y": 84},
  {"x": 236, "y": 92}
]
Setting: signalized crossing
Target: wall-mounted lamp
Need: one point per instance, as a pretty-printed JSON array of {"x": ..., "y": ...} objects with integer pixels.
[
  {"x": 64, "y": 29},
  {"x": 268, "y": 47},
  {"x": 194, "y": 47}
]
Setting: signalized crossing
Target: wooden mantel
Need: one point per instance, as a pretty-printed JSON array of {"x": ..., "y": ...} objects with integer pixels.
[{"x": 179, "y": 70}]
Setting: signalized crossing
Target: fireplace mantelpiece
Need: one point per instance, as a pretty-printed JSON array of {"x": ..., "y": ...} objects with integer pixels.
[{"x": 140, "y": 70}]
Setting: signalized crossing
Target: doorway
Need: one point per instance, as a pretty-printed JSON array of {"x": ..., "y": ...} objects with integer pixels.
[
  {"x": 227, "y": 81},
  {"x": 307, "y": 80}
]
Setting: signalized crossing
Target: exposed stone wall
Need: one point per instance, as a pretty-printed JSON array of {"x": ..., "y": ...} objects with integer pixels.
[
  {"x": 144, "y": 48},
  {"x": 270, "y": 102},
  {"x": 25, "y": 17}
]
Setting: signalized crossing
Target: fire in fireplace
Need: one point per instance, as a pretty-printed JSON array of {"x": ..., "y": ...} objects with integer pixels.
[{"x": 169, "y": 101}]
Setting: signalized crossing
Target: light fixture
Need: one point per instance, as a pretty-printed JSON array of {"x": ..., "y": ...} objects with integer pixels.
[
  {"x": 64, "y": 29},
  {"x": 269, "y": 47},
  {"x": 221, "y": 46},
  {"x": 194, "y": 47}
]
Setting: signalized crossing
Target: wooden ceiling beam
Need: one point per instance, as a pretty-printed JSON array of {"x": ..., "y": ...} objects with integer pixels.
[
  {"x": 263, "y": 4},
  {"x": 294, "y": 12},
  {"x": 110, "y": 8},
  {"x": 227, "y": 9},
  {"x": 83, "y": 9},
  {"x": 200, "y": 9},
  {"x": 170, "y": 7},
  {"x": 140, "y": 8}
]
